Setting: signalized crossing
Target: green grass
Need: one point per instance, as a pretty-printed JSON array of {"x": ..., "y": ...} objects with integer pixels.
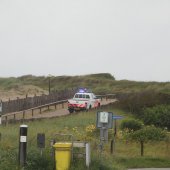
[
  {"x": 143, "y": 162},
  {"x": 126, "y": 154}
]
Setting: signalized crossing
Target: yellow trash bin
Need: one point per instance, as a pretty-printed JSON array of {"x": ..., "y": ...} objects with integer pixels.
[{"x": 62, "y": 155}]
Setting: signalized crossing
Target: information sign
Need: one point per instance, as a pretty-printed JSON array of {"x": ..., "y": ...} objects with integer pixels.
[
  {"x": 104, "y": 117},
  {"x": 41, "y": 140}
]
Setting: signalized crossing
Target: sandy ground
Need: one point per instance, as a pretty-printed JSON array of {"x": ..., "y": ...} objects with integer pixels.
[{"x": 21, "y": 92}]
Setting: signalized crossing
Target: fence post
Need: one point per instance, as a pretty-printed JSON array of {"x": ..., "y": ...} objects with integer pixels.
[
  {"x": 9, "y": 107},
  {"x": 14, "y": 117},
  {"x": 23, "y": 115},
  {"x": 18, "y": 105},
  {"x": 0, "y": 119},
  {"x": 32, "y": 113},
  {"x": 22, "y": 145},
  {"x": 6, "y": 120}
]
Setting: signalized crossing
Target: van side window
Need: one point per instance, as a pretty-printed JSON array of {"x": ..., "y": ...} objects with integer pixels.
[
  {"x": 76, "y": 96},
  {"x": 87, "y": 97}
]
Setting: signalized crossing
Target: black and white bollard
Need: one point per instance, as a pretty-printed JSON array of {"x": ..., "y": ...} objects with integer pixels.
[{"x": 23, "y": 145}]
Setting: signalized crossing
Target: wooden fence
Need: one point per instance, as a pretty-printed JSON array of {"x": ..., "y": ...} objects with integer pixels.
[{"x": 36, "y": 101}]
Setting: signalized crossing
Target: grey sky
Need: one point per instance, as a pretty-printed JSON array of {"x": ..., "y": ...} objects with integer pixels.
[{"x": 127, "y": 38}]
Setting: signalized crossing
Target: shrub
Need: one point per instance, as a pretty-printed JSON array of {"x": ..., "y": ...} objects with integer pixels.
[
  {"x": 131, "y": 125},
  {"x": 135, "y": 102},
  {"x": 158, "y": 116},
  {"x": 148, "y": 133}
]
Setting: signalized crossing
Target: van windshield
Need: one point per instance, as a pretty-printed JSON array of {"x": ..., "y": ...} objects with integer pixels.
[{"x": 82, "y": 96}]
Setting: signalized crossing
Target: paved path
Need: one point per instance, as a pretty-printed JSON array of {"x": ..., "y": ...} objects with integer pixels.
[
  {"x": 60, "y": 111},
  {"x": 63, "y": 112}
]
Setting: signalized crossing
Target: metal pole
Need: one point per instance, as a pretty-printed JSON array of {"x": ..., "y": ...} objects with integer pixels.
[
  {"x": 22, "y": 144},
  {"x": 104, "y": 134},
  {"x": 49, "y": 85}
]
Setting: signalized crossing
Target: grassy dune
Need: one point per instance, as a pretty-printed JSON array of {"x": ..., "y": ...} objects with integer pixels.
[{"x": 100, "y": 83}]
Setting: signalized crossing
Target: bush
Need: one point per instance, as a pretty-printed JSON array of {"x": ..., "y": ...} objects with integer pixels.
[
  {"x": 148, "y": 133},
  {"x": 158, "y": 116},
  {"x": 135, "y": 102},
  {"x": 131, "y": 125}
]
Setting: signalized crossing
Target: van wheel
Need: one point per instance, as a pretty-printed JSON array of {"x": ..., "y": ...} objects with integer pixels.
[
  {"x": 71, "y": 110},
  {"x": 98, "y": 105}
]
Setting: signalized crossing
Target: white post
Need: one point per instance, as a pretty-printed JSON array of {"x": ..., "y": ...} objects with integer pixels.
[{"x": 88, "y": 155}]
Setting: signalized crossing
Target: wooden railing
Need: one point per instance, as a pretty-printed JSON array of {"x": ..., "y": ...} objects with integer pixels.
[{"x": 30, "y": 113}]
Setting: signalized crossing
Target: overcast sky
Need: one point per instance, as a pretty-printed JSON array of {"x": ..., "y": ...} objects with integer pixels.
[{"x": 128, "y": 38}]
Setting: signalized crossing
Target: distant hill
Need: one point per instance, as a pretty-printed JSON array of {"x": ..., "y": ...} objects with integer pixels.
[{"x": 101, "y": 83}]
